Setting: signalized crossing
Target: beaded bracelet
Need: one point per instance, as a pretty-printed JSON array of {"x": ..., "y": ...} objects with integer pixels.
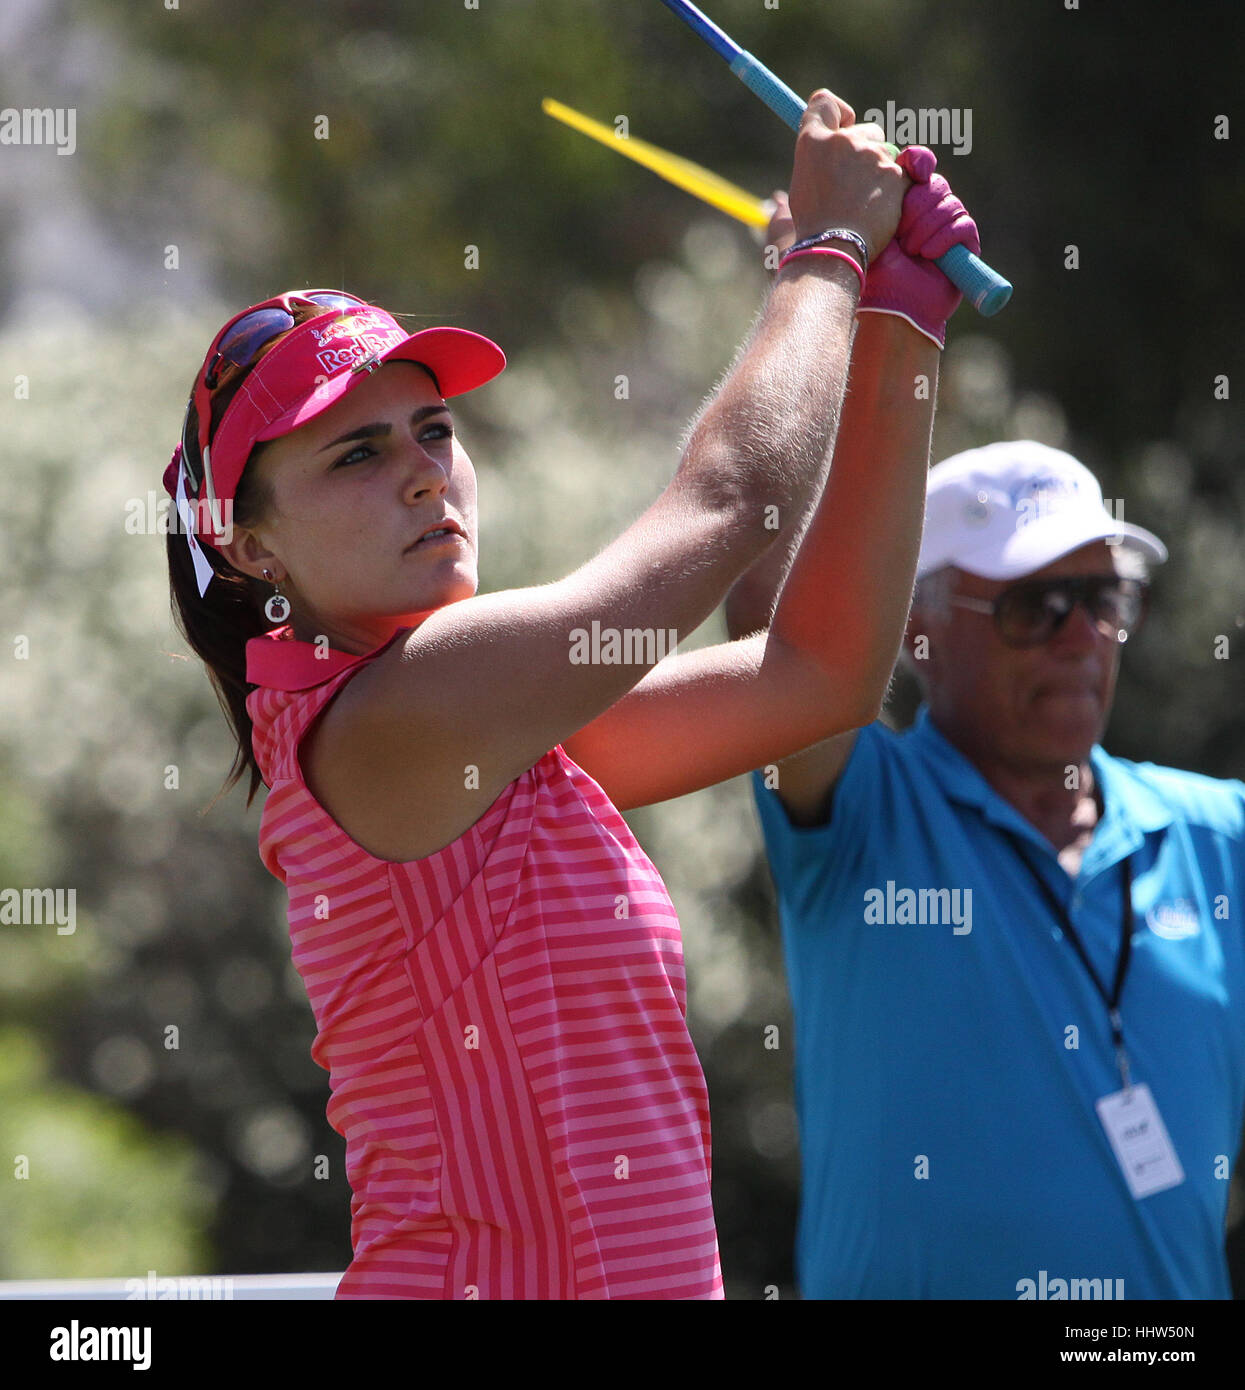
[{"x": 825, "y": 251}]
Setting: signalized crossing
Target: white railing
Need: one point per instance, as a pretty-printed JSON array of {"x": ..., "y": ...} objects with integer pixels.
[{"x": 203, "y": 1288}]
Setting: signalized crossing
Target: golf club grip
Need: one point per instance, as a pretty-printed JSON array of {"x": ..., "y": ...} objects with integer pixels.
[
  {"x": 758, "y": 79},
  {"x": 985, "y": 289}
]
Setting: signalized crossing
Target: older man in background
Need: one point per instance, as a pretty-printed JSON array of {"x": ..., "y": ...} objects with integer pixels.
[{"x": 1017, "y": 963}]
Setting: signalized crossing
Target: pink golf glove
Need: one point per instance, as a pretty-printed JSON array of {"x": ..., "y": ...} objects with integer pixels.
[{"x": 904, "y": 280}]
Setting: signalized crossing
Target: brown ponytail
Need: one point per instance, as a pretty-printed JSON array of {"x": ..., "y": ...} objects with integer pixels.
[{"x": 218, "y": 625}]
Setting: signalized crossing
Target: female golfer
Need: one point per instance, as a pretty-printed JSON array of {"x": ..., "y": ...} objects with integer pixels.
[{"x": 493, "y": 963}]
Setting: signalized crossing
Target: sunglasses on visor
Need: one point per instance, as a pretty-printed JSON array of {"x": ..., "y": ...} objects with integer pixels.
[
  {"x": 238, "y": 344},
  {"x": 1029, "y": 614}
]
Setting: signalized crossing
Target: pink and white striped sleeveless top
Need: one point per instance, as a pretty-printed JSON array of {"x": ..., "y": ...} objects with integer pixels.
[{"x": 503, "y": 1024}]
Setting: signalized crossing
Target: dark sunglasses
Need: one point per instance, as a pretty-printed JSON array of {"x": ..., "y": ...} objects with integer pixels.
[
  {"x": 1029, "y": 614},
  {"x": 238, "y": 344}
]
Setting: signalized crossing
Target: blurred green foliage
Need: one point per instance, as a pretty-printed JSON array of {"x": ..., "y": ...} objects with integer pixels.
[
  {"x": 92, "y": 1193},
  {"x": 197, "y": 132}
]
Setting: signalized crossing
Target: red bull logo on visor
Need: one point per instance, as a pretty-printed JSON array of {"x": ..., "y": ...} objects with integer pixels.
[{"x": 352, "y": 337}]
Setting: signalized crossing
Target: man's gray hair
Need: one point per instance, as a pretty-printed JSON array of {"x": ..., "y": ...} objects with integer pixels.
[{"x": 933, "y": 592}]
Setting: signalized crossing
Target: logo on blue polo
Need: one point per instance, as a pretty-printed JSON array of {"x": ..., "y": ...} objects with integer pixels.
[{"x": 1174, "y": 921}]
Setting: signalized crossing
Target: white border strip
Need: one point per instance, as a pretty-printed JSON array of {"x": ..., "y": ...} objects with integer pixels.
[{"x": 239, "y": 1286}]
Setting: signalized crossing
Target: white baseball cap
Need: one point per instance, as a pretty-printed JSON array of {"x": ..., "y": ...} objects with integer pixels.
[{"x": 1007, "y": 509}]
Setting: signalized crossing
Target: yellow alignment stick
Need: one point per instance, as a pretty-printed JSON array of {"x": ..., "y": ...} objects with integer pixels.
[{"x": 715, "y": 191}]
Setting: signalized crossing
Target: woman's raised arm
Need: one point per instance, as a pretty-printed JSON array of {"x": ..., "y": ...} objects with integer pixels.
[{"x": 493, "y": 682}]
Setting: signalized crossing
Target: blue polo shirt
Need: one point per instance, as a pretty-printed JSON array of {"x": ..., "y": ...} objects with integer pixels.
[{"x": 950, "y": 1046}]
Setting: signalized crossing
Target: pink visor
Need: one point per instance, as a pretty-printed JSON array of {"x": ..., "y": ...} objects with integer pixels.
[{"x": 312, "y": 368}]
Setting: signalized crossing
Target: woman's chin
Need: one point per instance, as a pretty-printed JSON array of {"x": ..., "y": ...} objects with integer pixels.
[{"x": 443, "y": 596}]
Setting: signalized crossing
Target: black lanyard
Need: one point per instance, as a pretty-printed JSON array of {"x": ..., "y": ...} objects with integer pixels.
[{"x": 1112, "y": 1000}]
